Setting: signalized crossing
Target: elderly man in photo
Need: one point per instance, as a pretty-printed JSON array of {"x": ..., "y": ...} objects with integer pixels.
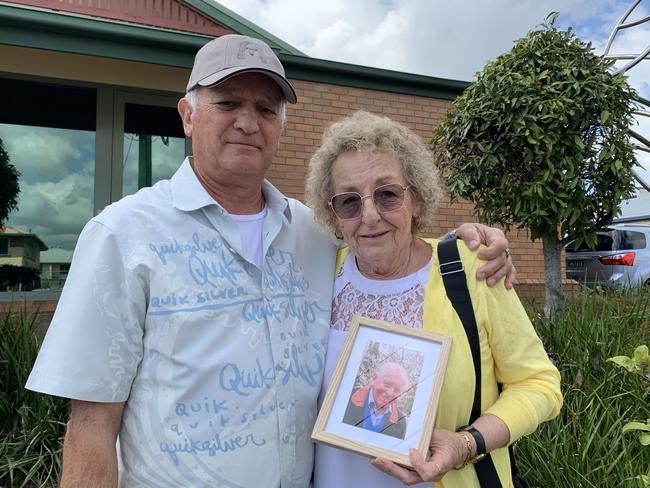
[
  {"x": 375, "y": 407},
  {"x": 193, "y": 322}
]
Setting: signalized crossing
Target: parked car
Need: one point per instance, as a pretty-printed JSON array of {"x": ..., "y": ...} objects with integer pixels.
[{"x": 621, "y": 258}]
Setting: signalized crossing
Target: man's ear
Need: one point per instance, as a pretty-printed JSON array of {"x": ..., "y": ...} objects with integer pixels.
[{"x": 185, "y": 111}]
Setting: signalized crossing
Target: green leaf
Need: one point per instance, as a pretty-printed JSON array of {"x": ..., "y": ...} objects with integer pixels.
[
  {"x": 642, "y": 356},
  {"x": 625, "y": 362},
  {"x": 630, "y": 426}
]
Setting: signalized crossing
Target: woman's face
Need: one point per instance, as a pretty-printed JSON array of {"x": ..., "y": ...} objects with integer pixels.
[{"x": 378, "y": 240}]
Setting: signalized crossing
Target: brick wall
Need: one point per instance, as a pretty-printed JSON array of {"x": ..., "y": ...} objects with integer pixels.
[
  {"x": 320, "y": 104},
  {"x": 44, "y": 310}
]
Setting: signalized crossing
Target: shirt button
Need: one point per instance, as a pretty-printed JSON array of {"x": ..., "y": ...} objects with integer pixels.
[{"x": 285, "y": 438}]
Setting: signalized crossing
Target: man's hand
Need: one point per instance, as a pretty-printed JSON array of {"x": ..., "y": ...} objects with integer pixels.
[{"x": 497, "y": 254}]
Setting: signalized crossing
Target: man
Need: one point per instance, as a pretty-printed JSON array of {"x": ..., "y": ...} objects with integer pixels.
[
  {"x": 375, "y": 407},
  {"x": 195, "y": 314}
]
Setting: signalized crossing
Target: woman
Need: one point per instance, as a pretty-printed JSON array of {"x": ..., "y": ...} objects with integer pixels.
[{"x": 374, "y": 184}]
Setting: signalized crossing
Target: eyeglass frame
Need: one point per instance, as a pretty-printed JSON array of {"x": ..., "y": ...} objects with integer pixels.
[{"x": 370, "y": 195}]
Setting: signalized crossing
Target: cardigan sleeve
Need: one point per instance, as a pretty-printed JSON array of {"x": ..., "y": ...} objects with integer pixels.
[{"x": 531, "y": 383}]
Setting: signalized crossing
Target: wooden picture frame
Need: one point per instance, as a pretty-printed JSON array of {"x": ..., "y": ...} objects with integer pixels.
[{"x": 393, "y": 361}]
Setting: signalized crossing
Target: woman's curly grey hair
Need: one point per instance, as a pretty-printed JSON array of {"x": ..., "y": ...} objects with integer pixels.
[{"x": 367, "y": 132}]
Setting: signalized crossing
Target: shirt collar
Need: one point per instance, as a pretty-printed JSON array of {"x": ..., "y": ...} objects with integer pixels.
[
  {"x": 371, "y": 404},
  {"x": 188, "y": 194}
]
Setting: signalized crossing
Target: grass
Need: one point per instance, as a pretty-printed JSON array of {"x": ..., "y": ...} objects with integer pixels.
[
  {"x": 584, "y": 446},
  {"x": 31, "y": 425}
]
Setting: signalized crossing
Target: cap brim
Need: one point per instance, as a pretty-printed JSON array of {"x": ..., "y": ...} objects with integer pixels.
[{"x": 226, "y": 74}]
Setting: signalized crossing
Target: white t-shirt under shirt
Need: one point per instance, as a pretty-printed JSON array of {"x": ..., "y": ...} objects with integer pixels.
[
  {"x": 399, "y": 301},
  {"x": 250, "y": 228}
]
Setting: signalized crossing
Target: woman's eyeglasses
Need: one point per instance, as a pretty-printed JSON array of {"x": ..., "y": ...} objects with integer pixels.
[{"x": 387, "y": 198}]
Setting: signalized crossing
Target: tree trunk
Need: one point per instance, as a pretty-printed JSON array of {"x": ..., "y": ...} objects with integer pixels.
[{"x": 554, "y": 305}]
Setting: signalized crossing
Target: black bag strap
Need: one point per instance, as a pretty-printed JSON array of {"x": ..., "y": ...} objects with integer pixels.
[{"x": 453, "y": 276}]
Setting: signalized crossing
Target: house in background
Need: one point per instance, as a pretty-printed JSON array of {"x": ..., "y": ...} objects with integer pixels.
[
  {"x": 19, "y": 248},
  {"x": 19, "y": 260},
  {"x": 635, "y": 210},
  {"x": 55, "y": 264}
]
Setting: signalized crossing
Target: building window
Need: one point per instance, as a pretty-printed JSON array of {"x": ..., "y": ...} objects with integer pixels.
[
  {"x": 154, "y": 145},
  {"x": 48, "y": 130},
  {"x": 4, "y": 246},
  {"x": 79, "y": 148}
]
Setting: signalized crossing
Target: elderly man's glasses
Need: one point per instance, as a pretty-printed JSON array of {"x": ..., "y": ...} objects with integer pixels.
[{"x": 387, "y": 198}]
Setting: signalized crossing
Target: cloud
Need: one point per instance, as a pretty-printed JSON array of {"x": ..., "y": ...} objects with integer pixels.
[
  {"x": 435, "y": 38},
  {"x": 41, "y": 153},
  {"x": 57, "y": 210},
  {"x": 57, "y": 169},
  {"x": 443, "y": 39}
]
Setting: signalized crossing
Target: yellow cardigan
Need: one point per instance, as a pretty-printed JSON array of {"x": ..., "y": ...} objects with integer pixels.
[{"x": 511, "y": 354}]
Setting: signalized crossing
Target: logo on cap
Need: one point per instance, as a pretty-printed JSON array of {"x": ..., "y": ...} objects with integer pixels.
[{"x": 247, "y": 48}]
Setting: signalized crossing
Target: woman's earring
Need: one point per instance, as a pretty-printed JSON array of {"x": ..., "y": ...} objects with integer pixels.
[{"x": 338, "y": 234}]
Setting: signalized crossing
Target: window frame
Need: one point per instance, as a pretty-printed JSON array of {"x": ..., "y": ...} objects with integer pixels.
[{"x": 109, "y": 135}]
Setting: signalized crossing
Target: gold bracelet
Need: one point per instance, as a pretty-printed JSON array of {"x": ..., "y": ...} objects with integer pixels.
[{"x": 469, "y": 451}]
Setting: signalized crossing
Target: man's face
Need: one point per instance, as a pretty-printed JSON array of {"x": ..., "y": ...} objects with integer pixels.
[
  {"x": 235, "y": 128},
  {"x": 387, "y": 386}
]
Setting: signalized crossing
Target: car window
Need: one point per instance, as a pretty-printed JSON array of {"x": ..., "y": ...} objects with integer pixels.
[
  {"x": 625, "y": 240},
  {"x": 612, "y": 240},
  {"x": 604, "y": 242}
]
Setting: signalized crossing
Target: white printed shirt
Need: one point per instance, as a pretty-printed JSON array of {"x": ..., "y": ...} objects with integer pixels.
[{"x": 219, "y": 363}]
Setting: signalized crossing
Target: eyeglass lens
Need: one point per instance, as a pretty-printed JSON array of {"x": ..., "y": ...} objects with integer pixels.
[{"x": 387, "y": 198}]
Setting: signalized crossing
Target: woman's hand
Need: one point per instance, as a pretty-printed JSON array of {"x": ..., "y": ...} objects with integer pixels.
[
  {"x": 497, "y": 254},
  {"x": 448, "y": 450}
]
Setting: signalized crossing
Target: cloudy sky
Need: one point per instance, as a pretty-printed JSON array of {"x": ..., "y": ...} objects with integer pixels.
[{"x": 446, "y": 39}]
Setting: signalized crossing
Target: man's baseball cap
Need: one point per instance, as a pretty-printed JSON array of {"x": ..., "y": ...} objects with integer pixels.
[{"x": 231, "y": 55}]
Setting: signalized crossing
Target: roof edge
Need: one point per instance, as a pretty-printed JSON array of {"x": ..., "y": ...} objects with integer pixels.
[
  {"x": 42, "y": 245},
  {"x": 240, "y": 24},
  {"x": 82, "y": 25},
  {"x": 338, "y": 73},
  {"x": 629, "y": 220},
  {"x": 32, "y": 27}
]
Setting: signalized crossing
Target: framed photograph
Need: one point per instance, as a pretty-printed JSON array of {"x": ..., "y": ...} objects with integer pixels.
[{"x": 384, "y": 391}]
